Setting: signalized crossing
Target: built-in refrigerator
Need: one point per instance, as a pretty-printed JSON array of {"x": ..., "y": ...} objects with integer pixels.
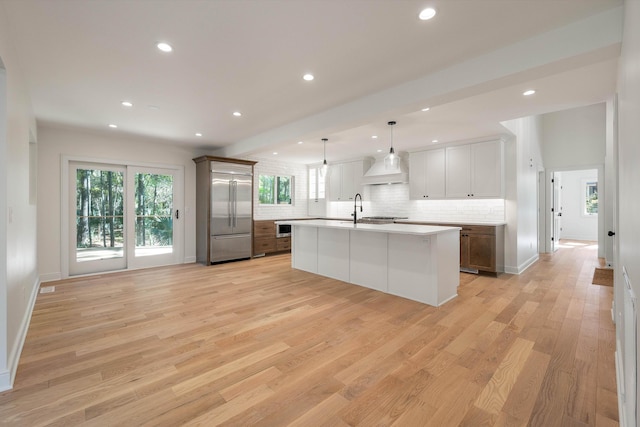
[
  {"x": 224, "y": 209},
  {"x": 231, "y": 186}
]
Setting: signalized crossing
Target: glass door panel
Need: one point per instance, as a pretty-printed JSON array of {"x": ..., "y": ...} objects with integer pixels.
[
  {"x": 155, "y": 217},
  {"x": 98, "y": 227},
  {"x": 154, "y": 214}
]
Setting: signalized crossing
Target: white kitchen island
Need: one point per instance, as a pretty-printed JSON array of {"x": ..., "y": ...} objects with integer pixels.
[{"x": 418, "y": 262}]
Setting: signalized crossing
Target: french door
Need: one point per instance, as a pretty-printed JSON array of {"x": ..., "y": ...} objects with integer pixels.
[{"x": 123, "y": 217}]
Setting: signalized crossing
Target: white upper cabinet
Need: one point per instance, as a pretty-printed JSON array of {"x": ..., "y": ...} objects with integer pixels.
[
  {"x": 427, "y": 174},
  {"x": 487, "y": 169},
  {"x": 458, "y": 171},
  {"x": 345, "y": 180},
  {"x": 474, "y": 170}
]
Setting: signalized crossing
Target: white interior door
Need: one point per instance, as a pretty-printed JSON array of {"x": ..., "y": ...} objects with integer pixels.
[
  {"x": 155, "y": 216},
  {"x": 97, "y": 230},
  {"x": 556, "y": 211}
]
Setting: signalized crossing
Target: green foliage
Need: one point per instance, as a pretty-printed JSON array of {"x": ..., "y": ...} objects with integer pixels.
[
  {"x": 591, "y": 205},
  {"x": 154, "y": 209},
  {"x": 100, "y": 209},
  {"x": 274, "y": 190},
  {"x": 284, "y": 190},
  {"x": 266, "y": 189}
]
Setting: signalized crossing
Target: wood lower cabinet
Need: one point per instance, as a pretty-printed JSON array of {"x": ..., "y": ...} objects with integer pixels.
[
  {"x": 477, "y": 249},
  {"x": 265, "y": 240},
  {"x": 283, "y": 244},
  {"x": 481, "y": 247}
]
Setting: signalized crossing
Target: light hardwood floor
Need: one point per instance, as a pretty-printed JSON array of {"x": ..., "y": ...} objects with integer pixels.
[{"x": 257, "y": 343}]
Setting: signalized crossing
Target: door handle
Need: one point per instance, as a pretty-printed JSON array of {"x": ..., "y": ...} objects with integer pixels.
[
  {"x": 611, "y": 233},
  {"x": 177, "y": 214}
]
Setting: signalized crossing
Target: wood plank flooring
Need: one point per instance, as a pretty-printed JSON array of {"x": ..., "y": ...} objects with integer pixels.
[{"x": 257, "y": 343}]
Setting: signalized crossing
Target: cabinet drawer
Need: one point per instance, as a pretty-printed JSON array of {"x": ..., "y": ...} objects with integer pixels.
[
  {"x": 264, "y": 229},
  {"x": 283, "y": 244},
  {"x": 264, "y": 245},
  {"x": 478, "y": 229}
]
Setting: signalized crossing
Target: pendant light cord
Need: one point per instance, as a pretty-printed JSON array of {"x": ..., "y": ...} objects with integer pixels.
[{"x": 391, "y": 123}]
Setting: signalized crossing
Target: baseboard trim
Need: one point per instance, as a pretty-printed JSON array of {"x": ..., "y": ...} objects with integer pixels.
[
  {"x": 18, "y": 344},
  {"x": 50, "y": 277},
  {"x": 522, "y": 267},
  {"x": 5, "y": 381},
  {"x": 189, "y": 260}
]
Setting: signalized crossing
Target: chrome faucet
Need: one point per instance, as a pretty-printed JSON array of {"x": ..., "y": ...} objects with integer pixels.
[{"x": 355, "y": 207}]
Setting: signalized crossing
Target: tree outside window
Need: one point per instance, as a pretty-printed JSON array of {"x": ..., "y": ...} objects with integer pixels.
[
  {"x": 591, "y": 198},
  {"x": 275, "y": 190}
]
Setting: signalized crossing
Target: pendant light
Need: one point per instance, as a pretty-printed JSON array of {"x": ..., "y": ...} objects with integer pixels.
[
  {"x": 391, "y": 160},
  {"x": 323, "y": 169}
]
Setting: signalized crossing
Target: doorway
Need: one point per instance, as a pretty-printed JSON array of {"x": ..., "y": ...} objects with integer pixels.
[
  {"x": 123, "y": 217},
  {"x": 572, "y": 207}
]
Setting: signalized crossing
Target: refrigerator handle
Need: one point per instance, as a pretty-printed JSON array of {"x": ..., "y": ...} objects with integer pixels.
[
  {"x": 235, "y": 203},
  {"x": 229, "y": 204}
]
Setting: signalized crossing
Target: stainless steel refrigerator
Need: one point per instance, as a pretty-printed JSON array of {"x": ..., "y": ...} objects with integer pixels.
[{"x": 231, "y": 216}]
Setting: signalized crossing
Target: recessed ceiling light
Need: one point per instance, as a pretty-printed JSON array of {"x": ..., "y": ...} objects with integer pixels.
[
  {"x": 198, "y": 134},
  {"x": 426, "y": 109},
  {"x": 427, "y": 14},
  {"x": 374, "y": 136},
  {"x": 111, "y": 125},
  {"x": 379, "y": 151},
  {"x": 528, "y": 92},
  {"x": 237, "y": 113},
  {"x": 299, "y": 142},
  {"x": 165, "y": 47},
  {"x": 308, "y": 77},
  {"x": 153, "y": 107},
  {"x": 275, "y": 153},
  {"x": 434, "y": 141},
  {"x": 127, "y": 104}
]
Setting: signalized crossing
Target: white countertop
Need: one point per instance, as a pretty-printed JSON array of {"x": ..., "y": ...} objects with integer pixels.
[
  {"x": 422, "y": 230},
  {"x": 494, "y": 223}
]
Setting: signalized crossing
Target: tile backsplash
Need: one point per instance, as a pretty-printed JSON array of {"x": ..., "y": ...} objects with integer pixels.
[{"x": 393, "y": 200}]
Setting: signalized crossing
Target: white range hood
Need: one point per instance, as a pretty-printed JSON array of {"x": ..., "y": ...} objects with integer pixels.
[{"x": 379, "y": 174}]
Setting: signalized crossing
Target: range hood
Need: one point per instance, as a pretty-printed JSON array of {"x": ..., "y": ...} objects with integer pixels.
[{"x": 378, "y": 174}]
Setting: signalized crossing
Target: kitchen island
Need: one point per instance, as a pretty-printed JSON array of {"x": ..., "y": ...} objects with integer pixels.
[{"x": 418, "y": 262}]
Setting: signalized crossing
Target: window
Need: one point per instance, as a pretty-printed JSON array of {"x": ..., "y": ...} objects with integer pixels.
[
  {"x": 316, "y": 184},
  {"x": 591, "y": 198},
  {"x": 275, "y": 190}
]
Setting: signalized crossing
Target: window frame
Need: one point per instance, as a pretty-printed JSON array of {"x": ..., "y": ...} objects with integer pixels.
[
  {"x": 277, "y": 179},
  {"x": 586, "y": 185}
]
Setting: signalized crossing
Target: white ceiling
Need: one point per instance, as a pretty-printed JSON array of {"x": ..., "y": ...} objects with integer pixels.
[{"x": 373, "y": 60}]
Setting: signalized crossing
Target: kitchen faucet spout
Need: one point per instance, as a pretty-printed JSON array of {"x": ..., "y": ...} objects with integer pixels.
[{"x": 355, "y": 207}]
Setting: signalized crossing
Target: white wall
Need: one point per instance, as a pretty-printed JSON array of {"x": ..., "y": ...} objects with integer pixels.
[
  {"x": 574, "y": 138},
  {"x": 105, "y": 147},
  {"x": 628, "y": 231},
  {"x": 523, "y": 162},
  {"x": 18, "y": 277},
  {"x": 575, "y": 224}
]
